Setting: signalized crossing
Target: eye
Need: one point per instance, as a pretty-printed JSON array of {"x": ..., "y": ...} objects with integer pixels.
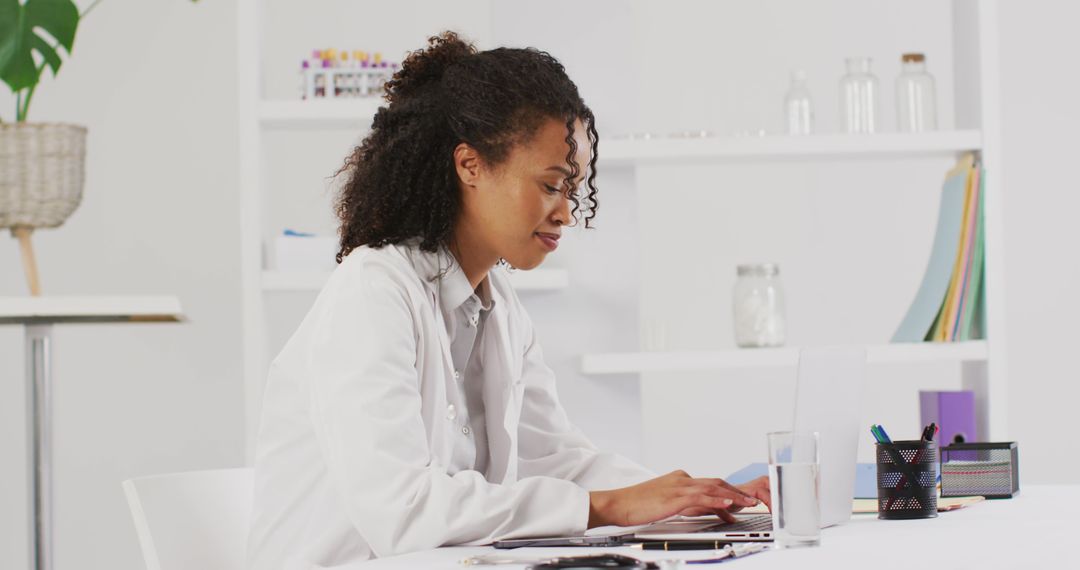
[{"x": 551, "y": 189}]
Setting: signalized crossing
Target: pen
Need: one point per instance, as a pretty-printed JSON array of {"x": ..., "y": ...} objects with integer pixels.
[
  {"x": 682, "y": 545},
  {"x": 885, "y": 436},
  {"x": 877, "y": 436}
]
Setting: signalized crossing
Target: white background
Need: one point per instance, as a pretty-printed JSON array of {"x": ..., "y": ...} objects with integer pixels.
[{"x": 155, "y": 84}]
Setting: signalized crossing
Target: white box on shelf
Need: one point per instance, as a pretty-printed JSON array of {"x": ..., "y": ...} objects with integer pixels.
[{"x": 305, "y": 253}]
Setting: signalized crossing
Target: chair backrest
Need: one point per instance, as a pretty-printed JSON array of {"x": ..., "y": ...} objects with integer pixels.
[{"x": 195, "y": 520}]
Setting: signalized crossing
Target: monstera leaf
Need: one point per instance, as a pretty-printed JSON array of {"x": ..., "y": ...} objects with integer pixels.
[
  {"x": 27, "y": 27},
  {"x": 21, "y": 27}
]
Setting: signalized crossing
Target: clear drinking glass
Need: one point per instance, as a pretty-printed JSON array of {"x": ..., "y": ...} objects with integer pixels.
[{"x": 793, "y": 485}]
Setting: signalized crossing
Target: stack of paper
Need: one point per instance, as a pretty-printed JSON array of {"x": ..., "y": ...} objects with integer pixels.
[{"x": 949, "y": 303}]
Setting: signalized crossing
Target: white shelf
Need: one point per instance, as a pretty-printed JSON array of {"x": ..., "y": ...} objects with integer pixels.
[
  {"x": 683, "y": 361},
  {"x": 535, "y": 280},
  {"x": 320, "y": 113},
  {"x": 670, "y": 149},
  {"x": 90, "y": 309}
]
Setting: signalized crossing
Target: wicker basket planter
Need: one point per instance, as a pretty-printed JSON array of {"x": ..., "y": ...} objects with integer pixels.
[{"x": 41, "y": 181}]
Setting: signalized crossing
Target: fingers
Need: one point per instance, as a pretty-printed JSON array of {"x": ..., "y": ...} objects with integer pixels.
[
  {"x": 727, "y": 516},
  {"x": 704, "y": 497},
  {"x": 764, "y": 496},
  {"x": 759, "y": 488},
  {"x": 741, "y": 497},
  {"x": 749, "y": 497}
]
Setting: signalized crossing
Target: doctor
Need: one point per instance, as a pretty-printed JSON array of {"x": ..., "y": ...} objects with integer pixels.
[{"x": 412, "y": 408}]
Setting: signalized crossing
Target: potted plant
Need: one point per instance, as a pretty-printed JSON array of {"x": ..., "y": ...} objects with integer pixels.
[{"x": 41, "y": 164}]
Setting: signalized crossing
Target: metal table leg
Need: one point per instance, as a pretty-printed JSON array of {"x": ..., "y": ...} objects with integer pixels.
[{"x": 39, "y": 417}]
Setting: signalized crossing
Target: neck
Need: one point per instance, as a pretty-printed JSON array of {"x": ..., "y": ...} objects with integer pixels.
[{"x": 475, "y": 259}]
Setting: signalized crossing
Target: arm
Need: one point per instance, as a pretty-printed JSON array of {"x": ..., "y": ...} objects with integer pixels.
[{"x": 367, "y": 411}]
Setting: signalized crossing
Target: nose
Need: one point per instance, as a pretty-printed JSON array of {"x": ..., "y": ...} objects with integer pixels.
[{"x": 561, "y": 215}]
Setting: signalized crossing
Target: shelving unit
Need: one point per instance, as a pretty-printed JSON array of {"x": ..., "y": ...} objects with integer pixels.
[
  {"x": 618, "y": 151},
  {"x": 982, "y": 363},
  {"x": 975, "y": 81},
  {"x": 354, "y": 114},
  {"x": 684, "y": 361},
  {"x": 535, "y": 280}
]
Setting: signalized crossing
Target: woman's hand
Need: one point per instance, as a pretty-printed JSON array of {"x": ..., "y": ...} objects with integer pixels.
[
  {"x": 673, "y": 494},
  {"x": 758, "y": 488}
]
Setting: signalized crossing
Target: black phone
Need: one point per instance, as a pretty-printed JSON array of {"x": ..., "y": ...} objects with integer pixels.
[
  {"x": 617, "y": 540},
  {"x": 595, "y": 561}
]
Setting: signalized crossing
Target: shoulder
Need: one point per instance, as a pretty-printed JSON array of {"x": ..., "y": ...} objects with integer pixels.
[
  {"x": 388, "y": 266},
  {"x": 368, "y": 276}
]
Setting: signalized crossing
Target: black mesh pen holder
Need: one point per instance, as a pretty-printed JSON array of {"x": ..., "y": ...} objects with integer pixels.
[{"x": 907, "y": 479}]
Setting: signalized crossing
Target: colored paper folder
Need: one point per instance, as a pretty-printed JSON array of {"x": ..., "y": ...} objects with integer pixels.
[{"x": 948, "y": 304}]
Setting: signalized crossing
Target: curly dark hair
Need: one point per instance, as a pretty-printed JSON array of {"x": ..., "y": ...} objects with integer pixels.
[{"x": 401, "y": 182}]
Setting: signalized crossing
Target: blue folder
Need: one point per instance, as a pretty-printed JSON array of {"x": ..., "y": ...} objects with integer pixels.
[{"x": 865, "y": 478}]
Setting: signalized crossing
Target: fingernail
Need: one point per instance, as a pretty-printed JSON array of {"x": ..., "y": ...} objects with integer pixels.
[{"x": 726, "y": 502}]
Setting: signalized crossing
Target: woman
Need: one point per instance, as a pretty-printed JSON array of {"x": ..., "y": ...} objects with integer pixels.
[{"x": 412, "y": 408}]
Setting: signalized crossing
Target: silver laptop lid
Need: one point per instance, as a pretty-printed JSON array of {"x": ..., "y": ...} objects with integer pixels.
[{"x": 828, "y": 398}]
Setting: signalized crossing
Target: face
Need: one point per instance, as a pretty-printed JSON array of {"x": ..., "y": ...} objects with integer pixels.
[{"x": 517, "y": 210}]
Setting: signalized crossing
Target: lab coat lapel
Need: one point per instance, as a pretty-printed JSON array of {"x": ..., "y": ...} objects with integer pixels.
[
  {"x": 444, "y": 338},
  {"x": 501, "y": 404}
]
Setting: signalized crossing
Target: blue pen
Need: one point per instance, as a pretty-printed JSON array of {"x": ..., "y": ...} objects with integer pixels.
[{"x": 883, "y": 434}]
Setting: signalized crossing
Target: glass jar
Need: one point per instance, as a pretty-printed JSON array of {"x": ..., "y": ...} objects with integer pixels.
[
  {"x": 758, "y": 303},
  {"x": 859, "y": 95},
  {"x": 916, "y": 109},
  {"x": 798, "y": 107}
]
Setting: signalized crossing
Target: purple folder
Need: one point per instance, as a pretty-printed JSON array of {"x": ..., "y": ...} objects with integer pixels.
[{"x": 954, "y": 413}]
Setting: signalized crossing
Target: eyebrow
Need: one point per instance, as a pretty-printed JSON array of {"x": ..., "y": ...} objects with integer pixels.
[{"x": 564, "y": 172}]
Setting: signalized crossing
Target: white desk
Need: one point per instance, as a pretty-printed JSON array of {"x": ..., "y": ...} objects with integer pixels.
[
  {"x": 1039, "y": 528},
  {"x": 38, "y": 315}
]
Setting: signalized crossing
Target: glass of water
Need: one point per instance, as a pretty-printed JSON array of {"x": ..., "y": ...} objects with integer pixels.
[{"x": 793, "y": 485}]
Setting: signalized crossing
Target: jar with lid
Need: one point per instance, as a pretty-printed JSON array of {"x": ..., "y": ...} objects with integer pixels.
[
  {"x": 916, "y": 109},
  {"x": 758, "y": 306}
]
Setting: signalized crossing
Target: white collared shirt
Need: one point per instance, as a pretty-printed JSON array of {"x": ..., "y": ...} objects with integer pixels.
[
  {"x": 357, "y": 456},
  {"x": 465, "y": 311}
]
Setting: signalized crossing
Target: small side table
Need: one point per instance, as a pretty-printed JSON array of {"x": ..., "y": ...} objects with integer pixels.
[{"x": 38, "y": 315}]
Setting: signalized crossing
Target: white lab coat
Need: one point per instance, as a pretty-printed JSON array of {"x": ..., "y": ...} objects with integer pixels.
[{"x": 355, "y": 438}]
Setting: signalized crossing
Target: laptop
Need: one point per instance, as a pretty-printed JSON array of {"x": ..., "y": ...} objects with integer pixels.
[{"x": 828, "y": 395}]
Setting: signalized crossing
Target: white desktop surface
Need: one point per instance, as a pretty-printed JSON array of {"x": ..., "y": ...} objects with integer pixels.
[
  {"x": 49, "y": 309},
  {"x": 1039, "y": 528}
]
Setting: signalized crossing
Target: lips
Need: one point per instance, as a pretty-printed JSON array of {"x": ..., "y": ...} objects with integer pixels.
[{"x": 551, "y": 241}]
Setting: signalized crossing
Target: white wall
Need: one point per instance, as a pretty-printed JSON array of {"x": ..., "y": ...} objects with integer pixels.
[
  {"x": 160, "y": 216},
  {"x": 154, "y": 82},
  {"x": 1040, "y": 120}
]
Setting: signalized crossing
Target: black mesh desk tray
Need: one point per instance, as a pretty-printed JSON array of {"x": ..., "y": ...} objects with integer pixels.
[{"x": 988, "y": 469}]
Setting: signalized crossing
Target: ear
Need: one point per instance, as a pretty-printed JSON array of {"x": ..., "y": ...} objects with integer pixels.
[{"x": 467, "y": 163}]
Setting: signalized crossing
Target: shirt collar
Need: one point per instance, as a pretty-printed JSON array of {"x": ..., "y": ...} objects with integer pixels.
[{"x": 453, "y": 287}]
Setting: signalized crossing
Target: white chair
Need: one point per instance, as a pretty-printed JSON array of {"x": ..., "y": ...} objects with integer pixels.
[{"x": 192, "y": 521}]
